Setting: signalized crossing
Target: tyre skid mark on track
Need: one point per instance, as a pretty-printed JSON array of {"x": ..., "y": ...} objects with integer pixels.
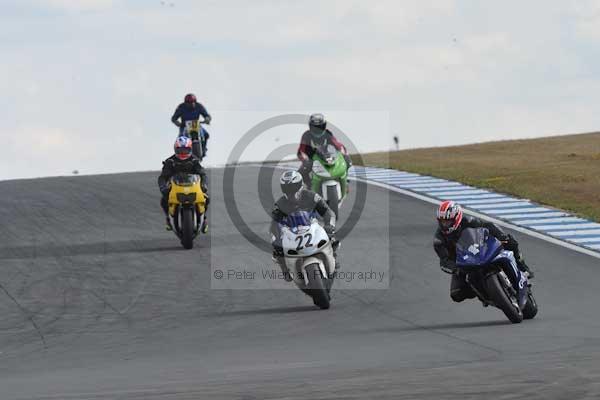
[{"x": 27, "y": 314}]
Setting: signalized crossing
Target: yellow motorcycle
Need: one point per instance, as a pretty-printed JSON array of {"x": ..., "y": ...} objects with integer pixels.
[
  {"x": 187, "y": 208},
  {"x": 194, "y": 131}
]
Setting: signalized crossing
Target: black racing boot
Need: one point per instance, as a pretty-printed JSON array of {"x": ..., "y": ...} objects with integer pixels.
[
  {"x": 168, "y": 225},
  {"x": 280, "y": 261}
]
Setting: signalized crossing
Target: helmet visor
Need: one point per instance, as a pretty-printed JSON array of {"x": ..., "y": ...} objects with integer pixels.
[
  {"x": 290, "y": 189},
  {"x": 446, "y": 224},
  {"x": 183, "y": 152}
]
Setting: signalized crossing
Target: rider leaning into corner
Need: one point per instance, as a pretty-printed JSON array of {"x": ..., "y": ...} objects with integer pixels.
[
  {"x": 191, "y": 110},
  {"x": 451, "y": 223},
  {"x": 297, "y": 198},
  {"x": 182, "y": 162},
  {"x": 317, "y": 135}
]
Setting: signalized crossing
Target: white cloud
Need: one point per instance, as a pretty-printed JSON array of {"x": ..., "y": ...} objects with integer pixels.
[
  {"x": 448, "y": 71},
  {"x": 77, "y": 5}
]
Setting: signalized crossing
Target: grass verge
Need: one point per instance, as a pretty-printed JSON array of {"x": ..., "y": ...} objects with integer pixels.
[{"x": 561, "y": 171}]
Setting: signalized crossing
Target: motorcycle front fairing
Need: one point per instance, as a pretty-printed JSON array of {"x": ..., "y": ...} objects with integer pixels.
[
  {"x": 477, "y": 249},
  {"x": 304, "y": 242},
  {"x": 329, "y": 169},
  {"x": 186, "y": 191},
  {"x": 519, "y": 280}
]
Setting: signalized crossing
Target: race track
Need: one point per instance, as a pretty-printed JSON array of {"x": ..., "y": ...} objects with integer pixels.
[{"x": 99, "y": 302}]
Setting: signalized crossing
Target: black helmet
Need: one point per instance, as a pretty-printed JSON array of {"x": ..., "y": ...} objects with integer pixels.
[
  {"x": 317, "y": 125},
  {"x": 291, "y": 183}
]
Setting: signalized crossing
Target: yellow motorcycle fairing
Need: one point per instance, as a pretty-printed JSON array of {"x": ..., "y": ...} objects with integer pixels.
[
  {"x": 192, "y": 126},
  {"x": 186, "y": 191}
]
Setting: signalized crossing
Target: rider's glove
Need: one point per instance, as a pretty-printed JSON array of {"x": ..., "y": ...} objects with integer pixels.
[
  {"x": 277, "y": 251},
  {"x": 208, "y": 119},
  {"x": 164, "y": 189},
  {"x": 504, "y": 238},
  {"x": 348, "y": 160},
  {"x": 448, "y": 266},
  {"x": 330, "y": 230}
]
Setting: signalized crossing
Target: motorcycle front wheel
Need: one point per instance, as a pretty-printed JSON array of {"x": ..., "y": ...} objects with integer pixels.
[
  {"x": 502, "y": 299},
  {"x": 316, "y": 287},
  {"x": 187, "y": 228}
]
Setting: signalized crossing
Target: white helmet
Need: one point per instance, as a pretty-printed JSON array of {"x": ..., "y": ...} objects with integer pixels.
[{"x": 291, "y": 183}]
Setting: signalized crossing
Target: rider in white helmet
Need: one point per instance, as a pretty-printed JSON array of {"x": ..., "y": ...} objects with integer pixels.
[{"x": 297, "y": 198}]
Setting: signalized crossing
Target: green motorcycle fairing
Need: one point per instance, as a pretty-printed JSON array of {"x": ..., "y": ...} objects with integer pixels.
[{"x": 323, "y": 171}]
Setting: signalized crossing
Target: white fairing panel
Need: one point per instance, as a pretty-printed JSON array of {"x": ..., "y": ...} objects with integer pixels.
[
  {"x": 301, "y": 249},
  {"x": 303, "y": 241}
]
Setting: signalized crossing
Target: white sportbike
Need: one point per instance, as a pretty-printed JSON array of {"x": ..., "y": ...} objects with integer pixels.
[{"x": 308, "y": 256}]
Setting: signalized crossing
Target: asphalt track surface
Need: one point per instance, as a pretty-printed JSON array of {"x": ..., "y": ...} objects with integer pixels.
[{"x": 99, "y": 302}]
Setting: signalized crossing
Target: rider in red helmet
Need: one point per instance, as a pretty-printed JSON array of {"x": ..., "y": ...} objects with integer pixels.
[
  {"x": 451, "y": 222},
  {"x": 191, "y": 110},
  {"x": 182, "y": 162}
]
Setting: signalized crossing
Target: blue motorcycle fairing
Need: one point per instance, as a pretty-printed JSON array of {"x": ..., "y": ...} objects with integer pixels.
[
  {"x": 299, "y": 219},
  {"x": 477, "y": 248},
  {"x": 518, "y": 279}
]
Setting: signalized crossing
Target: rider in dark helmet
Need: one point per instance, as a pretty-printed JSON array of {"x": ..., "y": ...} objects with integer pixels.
[
  {"x": 451, "y": 223},
  {"x": 183, "y": 161},
  {"x": 297, "y": 198},
  {"x": 191, "y": 110},
  {"x": 316, "y": 135}
]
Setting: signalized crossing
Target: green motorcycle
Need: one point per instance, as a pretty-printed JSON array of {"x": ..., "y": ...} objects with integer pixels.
[{"x": 329, "y": 176}]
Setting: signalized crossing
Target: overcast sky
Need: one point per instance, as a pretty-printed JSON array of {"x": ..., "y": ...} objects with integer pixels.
[{"x": 91, "y": 84}]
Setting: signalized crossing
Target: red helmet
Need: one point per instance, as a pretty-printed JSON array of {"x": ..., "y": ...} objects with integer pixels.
[
  {"x": 449, "y": 216},
  {"x": 183, "y": 147},
  {"x": 189, "y": 98}
]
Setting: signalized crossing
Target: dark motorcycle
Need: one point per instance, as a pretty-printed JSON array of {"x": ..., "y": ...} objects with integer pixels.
[{"x": 493, "y": 275}]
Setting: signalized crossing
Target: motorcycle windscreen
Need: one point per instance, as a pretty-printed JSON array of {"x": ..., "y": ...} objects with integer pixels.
[
  {"x": 185, "y": 179},
  {"x": 327, "y": 153},
  {"x": 476, "y": 247},
  {"x": 299, "y": 219}
]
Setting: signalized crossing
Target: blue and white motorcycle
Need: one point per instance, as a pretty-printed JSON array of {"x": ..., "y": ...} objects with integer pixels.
[
  {"x": 308, "y": 256},
  {"x": 493, "y": 275}
]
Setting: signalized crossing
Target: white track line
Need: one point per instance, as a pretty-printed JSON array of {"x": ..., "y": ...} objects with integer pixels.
[
  {"x": 506, "y": 224},
  {"x": 565, "y": 226},
  {"x": 533, "y": 222}
]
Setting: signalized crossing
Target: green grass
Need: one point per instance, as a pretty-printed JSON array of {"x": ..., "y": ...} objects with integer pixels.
[{"x": 561, "y": 171}]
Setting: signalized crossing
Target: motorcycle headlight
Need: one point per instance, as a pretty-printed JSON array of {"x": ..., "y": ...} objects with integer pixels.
[{"x": 189, "y": 198}]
